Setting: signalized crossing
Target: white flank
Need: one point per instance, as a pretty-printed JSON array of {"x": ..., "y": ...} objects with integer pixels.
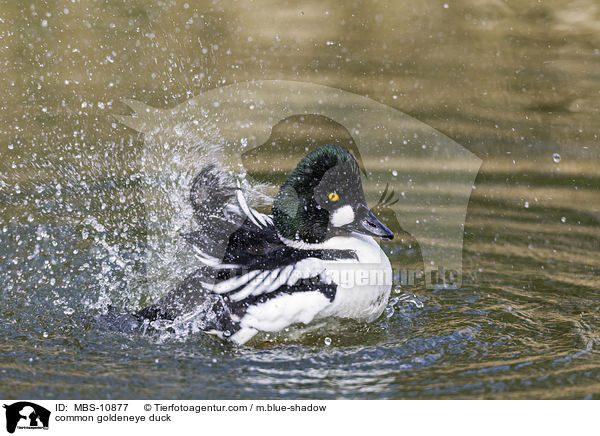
[{"x": 278, "y": 313}]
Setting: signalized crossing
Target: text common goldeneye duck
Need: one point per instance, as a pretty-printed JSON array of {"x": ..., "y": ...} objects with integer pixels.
[{"x": 314, "y": 258}]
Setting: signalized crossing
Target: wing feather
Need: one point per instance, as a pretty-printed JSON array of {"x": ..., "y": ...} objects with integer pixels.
[
  {"x": 231, "y": 284},
  {"x": 259, "y": 282},
  {"x": 258, "y": 219},
  {"x": 251, "y": 286}
]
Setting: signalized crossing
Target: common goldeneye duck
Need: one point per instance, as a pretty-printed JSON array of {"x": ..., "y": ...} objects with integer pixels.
[{"x": 313, "y": 258}]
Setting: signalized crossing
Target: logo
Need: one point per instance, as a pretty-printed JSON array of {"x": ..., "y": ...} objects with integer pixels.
[
  {"x": 26, "y": 415},
  {"x": 419, "y": 179}
]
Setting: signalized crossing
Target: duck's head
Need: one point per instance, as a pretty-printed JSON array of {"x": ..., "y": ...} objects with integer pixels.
[{"x": 323, "y": 198}]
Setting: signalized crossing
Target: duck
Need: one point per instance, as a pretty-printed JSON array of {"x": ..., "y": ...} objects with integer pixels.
[{"x": 313, "y": 258}]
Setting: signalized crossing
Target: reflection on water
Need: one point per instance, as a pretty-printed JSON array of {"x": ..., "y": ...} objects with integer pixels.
[{"x": 516, "y": 84}]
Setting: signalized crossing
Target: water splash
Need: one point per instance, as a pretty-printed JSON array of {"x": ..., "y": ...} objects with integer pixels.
[{"x": 406, "y": 298}]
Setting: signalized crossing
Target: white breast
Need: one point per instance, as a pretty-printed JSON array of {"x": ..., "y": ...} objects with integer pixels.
[{"x": 364, "y": 285}]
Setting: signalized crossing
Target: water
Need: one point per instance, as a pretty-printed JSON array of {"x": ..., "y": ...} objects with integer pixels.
[{"x": 515, "y": 84}]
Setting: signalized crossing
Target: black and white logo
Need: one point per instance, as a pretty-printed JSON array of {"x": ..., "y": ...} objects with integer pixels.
[{"x": 26, "y": 415}]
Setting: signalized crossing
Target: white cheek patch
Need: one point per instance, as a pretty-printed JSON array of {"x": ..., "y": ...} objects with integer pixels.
[{"x": 342, "y": 216}]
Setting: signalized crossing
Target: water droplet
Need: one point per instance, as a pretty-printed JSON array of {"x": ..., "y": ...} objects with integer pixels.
[
  {"x": 327, "y": 341},
  {"x": 556, "y": 157}
]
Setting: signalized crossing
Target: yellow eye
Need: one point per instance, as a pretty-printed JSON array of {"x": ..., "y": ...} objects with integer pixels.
[{"x": 333, "y": 196}]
